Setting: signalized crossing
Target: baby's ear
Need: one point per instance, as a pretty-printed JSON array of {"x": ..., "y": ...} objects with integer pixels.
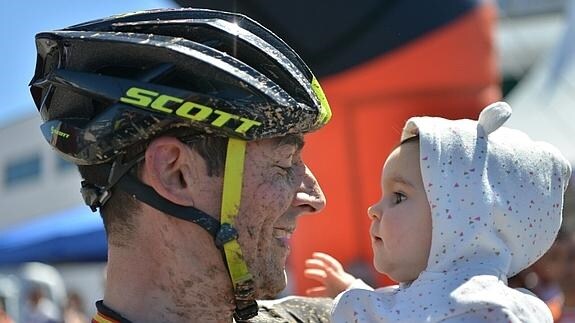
[{"x": 494, "y": 116}]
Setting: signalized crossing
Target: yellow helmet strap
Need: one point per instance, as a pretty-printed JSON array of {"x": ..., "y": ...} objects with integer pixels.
[{"x": 242, "y": 279}]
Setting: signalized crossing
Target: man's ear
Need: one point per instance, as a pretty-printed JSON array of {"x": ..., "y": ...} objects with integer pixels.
[{"x": 168, "y": 170}]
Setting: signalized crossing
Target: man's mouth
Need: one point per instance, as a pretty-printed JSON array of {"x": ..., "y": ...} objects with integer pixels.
[{"x": 283, "y": 235}]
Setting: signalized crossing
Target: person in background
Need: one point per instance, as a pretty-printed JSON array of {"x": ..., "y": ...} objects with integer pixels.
[
  {"x": 74, "y": 309},
  {"x": 567, "y": 282},
  {"x": 39, "y": 308},
  {"x": 542, "y": 278},
  {"x": 4, "y": 317}
]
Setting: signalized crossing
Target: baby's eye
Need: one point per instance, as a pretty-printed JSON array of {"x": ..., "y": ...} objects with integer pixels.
[{"x": 398, "y": 197}]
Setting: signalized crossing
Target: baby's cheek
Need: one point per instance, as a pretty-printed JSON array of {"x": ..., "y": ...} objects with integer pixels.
[{"x": 395, "y": 232}]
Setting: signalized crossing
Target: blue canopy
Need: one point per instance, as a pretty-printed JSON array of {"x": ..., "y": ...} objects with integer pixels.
[{"x": 73, "y": 235}]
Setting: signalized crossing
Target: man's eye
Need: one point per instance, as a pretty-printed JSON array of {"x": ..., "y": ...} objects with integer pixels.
[{"x": 398, "y": 197}]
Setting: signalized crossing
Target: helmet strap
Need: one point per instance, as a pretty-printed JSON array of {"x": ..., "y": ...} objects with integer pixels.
[
  {"x": 146, "y": 194},
  {"x": 96, "y": 196},
  {"x": 242, "y": 279}
]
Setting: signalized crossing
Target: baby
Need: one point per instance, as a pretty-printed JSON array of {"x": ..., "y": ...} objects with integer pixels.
[{"x": 466, "y": 205}]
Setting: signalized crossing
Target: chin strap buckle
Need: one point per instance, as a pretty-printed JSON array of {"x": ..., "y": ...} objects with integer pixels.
[
  {"x": 246, "y": 306},
  {"x": 226, "y": 234},
  {"x": 94, "y": 196}
]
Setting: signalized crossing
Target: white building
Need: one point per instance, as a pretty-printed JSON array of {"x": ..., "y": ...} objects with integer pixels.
[{"x": 34, "y": 180}]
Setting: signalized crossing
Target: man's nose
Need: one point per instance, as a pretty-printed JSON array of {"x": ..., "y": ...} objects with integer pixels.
[{"x": 309, "y": 194}]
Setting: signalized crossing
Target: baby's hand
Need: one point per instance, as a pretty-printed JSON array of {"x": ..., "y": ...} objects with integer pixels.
[{"x": 327, "y": 271}]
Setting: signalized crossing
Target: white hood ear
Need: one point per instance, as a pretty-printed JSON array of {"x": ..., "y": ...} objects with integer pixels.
[{"x": 494, "y": 116}]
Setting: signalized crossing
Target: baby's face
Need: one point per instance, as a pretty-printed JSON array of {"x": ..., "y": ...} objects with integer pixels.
[{"x": 401, "y": 219}]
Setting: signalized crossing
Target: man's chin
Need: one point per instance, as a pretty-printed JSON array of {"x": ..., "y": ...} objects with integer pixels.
[{"x": 271, "y": 286}]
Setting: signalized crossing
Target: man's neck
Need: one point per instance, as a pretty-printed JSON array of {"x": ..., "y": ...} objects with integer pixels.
[{"x": 159, "y": 284}]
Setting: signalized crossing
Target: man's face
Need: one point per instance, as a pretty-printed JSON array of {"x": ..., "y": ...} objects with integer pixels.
[
  {"x": 401, "y": 220},
  {"x": 278, "y": 187}
]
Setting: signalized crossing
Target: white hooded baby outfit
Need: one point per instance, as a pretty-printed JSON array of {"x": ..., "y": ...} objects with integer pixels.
[{"x": 496, "y": 199}]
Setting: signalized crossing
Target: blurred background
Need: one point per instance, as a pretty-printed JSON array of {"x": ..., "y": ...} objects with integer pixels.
[{"x": 379, "y": 62}]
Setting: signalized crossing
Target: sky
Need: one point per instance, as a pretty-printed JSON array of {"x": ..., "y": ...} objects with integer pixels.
[{"x": 20, "y": 20}]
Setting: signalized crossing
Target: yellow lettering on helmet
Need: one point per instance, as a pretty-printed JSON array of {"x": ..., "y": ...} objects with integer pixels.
[
  {"x": 160, "y": 103},
  {"x": 189, "y": 110},
  {"x": 246, "y": 125},
  {"x": 139, "y": 97},
  {"x": 202, "y": 111},
  {"x": 59, "y": 133},
  {"x": 223, "y": 117}
]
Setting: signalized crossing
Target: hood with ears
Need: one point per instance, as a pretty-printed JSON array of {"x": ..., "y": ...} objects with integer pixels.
[
  {"x": 496, "y": 196},
  {"x": 496, "y": 200}
]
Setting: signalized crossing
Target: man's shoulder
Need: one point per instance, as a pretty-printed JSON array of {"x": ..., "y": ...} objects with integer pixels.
[{"x": 294, "y": 309}]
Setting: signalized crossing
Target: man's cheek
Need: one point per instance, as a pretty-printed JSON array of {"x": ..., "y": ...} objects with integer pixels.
[{"x": 274, "y": 197}]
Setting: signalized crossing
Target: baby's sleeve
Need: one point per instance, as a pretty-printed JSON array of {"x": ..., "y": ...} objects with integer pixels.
[{"x": 357, "y": 305}]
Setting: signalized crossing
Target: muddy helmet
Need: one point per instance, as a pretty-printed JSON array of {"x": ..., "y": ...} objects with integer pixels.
[{"x": 104, "y": 85}]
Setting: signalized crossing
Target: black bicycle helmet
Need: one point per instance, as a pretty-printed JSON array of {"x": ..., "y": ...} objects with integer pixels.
[
  {"x": 216, "y": 71},
  {"x": 106, "y": 85}
]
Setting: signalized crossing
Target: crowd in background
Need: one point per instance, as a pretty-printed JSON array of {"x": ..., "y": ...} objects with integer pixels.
[{"x": 41, "y": 309}]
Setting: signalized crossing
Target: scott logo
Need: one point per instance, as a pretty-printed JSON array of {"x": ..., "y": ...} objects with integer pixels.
[
  {"x": 59, "y": 133},
  {"x": 190, "y": 110}
]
